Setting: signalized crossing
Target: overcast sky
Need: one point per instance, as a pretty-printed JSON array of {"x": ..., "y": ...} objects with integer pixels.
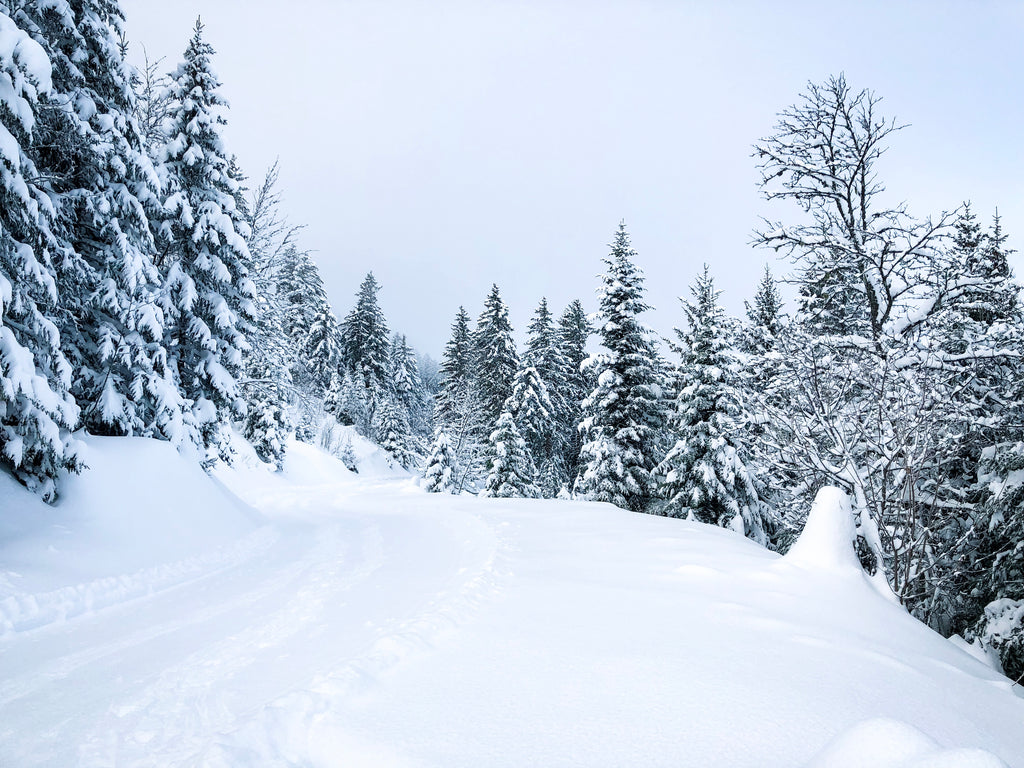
[{"x": 446, "y": 146}]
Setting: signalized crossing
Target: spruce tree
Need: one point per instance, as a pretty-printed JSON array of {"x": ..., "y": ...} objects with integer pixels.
[
  {"x": 622, "y": 416},
  {"x": 321, "y": 351},
  {"x": 530, "y": 407},
  {"x": 104, "y": 189},
  {"x": 456, "y": 370},
  {"x": 36, "y": 409},
  {"x": 576, "y": 384},
  {"x": 439, "y": 475},
  {"x": 303, "y": 298},
  {"x": 364, "y": 335},
  {"x": 705, "y": 475},
  {"x": 510, "y": 470},
  {"x": 496, "y": 359},
  {"x": 267, "y": 426},
  {"x": 393, "y": 434},
  {"x": 210, "y": 296}
]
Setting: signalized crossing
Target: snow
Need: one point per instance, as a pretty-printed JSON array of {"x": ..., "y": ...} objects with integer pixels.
[
  {"x": 826, "y": 542},
  {"x": 318, "y": 617},
  {"x": 885, "y": 743}
]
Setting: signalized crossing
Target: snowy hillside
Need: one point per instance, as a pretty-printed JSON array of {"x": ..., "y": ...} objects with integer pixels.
[{"x": 336, "y": 619}]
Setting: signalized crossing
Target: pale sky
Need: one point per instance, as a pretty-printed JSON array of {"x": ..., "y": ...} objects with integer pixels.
[{"x": 449, "y": 145}]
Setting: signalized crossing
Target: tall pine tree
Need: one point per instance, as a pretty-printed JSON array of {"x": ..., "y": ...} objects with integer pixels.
[
  {"x": 210, "y": 296},
  {"x": 623, "y": 415},
  {"x": 36, "y": 410},
  {"x": 705, "y": 474},
  {"x": 496, "y": 360}
]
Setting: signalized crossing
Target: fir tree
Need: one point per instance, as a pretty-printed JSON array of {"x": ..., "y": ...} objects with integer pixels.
[
  {"x": 510, "y": 470},
  {"x": 530, "y": 407},
  {"x": 104, "y": 189},
  {"x": 364, "y": 335},
  {"x": 36, "y": 411},
  {"x": 439, "y": 474},
  {"x": 705, "y": 474},
  {"x": 622, "y": 416},
  {"x": 303, "y": 298},
  {"x": 267, "y": 426},
  {"x": 456, "y": 370},
  {"x": 210, "y": 294},
  {"x": 496, "y": 359},
  {"x": 393, "y": 433},
  {"x": 321, "y": 351},
  {"x": 576, "y": 384}
]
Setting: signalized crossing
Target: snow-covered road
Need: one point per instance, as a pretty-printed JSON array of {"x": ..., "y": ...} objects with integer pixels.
[{"x": 361, "y": 622}]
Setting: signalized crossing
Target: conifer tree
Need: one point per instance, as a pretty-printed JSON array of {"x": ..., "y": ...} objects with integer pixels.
[
  {"x": 303, "y": 297},
  {"x": 439, "y": 473},
  {"x": 573, "y": 333},
  {"x": 393, "y": 434},
  {"x": 496, "y": 359},
  {"x": 267, "y": 426},
  {"x": 36, "y": 410},
  {"x": 322, "y": 349},
  {"x": 510, "y": 470},
  {"x": 364, "y": 335},
  {"x": 456, "y": 370},
  {"x": 622, "y": 416},
  {"x": 530, "y": 407},
  {"x": 764, "y": 316},
  {"x": 210, "y": 296},
  {"x": 103, "y": 188},
  {"x": 705, "y": 475}
]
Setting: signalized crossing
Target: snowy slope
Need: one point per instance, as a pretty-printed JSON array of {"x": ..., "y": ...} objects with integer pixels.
[{"x": 356, "y": 621}]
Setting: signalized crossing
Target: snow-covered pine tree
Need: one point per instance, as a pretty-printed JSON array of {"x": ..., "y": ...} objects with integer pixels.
[
  {"x": 573, "y": 333},
  {"x": 439, "y": 475},
  {"x": 405, "y": 382},
  {"x": 303, "y": 297},
  {"x": 36, "y": 410},
  {"x": 544, "y": 354},
  {"x": 623, "y": 415},
  {"x": 393, "y": 434},
  {"x": 705, "y": 475},
  {"x": 104, "y": 188},
  {"x": 530, "y": 407},
  {"x": 267, "y": 426},
  {"x": 764, "y": 317},
  {"x": 321, "y": 352},
  {"x": 456, "y": 369},
  {"x": 210, "y": 296},
  {"x": 364, "y": 337},
  {"x": 495, "y": 358},
  {"x": 457, "y": 405},
  {"x": 510, "y": 470}
]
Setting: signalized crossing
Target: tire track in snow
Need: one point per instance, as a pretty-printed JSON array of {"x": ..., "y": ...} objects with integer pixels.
[
  {"x": 290, "y": 730},
  {"x": 190, "y": 696},
  {"x": 26, "y": 612}
]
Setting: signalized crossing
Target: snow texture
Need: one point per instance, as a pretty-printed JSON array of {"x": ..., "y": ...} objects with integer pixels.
[{"x": 354, "y": 620}]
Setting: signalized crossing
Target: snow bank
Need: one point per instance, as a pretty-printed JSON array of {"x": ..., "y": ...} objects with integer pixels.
[
  {"x": 884, "y": 743},
  {"x": 140, "y": 519},
  {"x": 826, "y": 542}
]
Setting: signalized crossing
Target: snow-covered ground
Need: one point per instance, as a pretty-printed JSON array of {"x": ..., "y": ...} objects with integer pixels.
[{"x": 335, "y": 619}]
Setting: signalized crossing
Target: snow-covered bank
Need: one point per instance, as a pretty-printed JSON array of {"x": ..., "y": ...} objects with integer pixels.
[{"x": 375, "y": 625}]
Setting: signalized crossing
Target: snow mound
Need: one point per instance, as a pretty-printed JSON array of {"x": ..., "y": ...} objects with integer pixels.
[
  {"x": 885, "y": 743},
  {"x": 826, "y": 542},
  {"x": 141, "y": 518}
]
